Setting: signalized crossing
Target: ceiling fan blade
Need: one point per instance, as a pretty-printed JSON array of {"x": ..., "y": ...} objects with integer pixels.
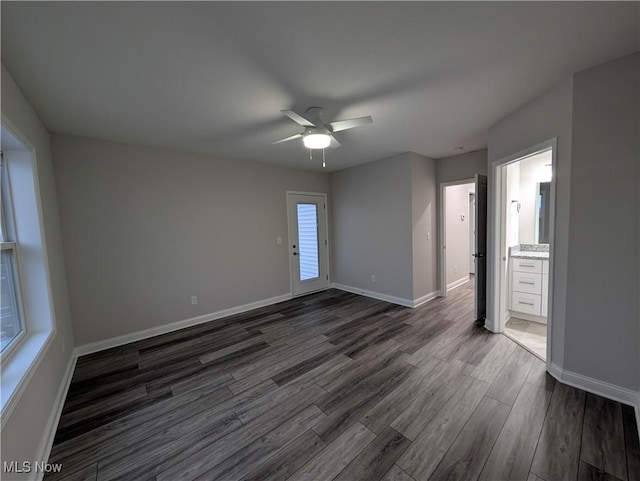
[
  {"x": 350, "y": 124},
  {"x": 334, "y": 143},
  {"x": 297, "y": 118},
  {"x": 293, "y": 137}
]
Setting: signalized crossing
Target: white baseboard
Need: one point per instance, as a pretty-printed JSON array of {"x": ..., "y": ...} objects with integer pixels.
[
  {"x": 595, "y": 386},
  {"x": 490, "y": 326},
  {"x": 174, "y": 326},
  {"x": 458, "y": 283},
  {"x": 527, "y": 317},
  {"x": 601, "y": 388},
  {"x": 375, "y": 295},
  {"x": 44, "y": 449},
  {"x": 426, "y": 298},
  {"x": 401, "y": 301}
]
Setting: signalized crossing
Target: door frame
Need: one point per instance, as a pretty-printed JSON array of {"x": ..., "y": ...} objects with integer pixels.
[
  {"x": 496, "y": 231},
  {"x": 472, "y": 230},
  {"x": 328, "y": 251},
  {"x": 443, "y": 234}
]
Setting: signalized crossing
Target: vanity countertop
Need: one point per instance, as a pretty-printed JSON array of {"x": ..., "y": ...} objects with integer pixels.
[
  {"x": 529, "y": 255},
  {"x": 530, "y": 251}
]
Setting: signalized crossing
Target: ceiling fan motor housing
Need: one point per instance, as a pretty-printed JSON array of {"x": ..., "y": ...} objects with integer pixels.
[
  {"x": 316, "y": 115},
  {"x": 316, "y": 130}
]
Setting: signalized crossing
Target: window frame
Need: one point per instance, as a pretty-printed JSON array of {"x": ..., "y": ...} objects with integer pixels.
[{"x": 8, "y": 229}]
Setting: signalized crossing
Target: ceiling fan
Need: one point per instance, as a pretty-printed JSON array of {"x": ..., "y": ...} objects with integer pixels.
[{"x": 318, "y": 134}]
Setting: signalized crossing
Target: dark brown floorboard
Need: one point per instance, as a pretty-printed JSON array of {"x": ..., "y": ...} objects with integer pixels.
[{"x": 336, "y": 386}]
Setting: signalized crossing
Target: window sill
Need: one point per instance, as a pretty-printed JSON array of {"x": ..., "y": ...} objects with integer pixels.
[{"x": 20, "y": 367}]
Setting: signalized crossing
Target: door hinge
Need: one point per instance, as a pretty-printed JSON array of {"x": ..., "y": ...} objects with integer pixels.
[
  {"x": 325, "y": 242},
  {"x": 327, "y": 276}
]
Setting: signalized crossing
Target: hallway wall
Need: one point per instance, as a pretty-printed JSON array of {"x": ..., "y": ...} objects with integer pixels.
[
  {"x": 457, "y": 227},
  {"x": 595, "y": 118}
]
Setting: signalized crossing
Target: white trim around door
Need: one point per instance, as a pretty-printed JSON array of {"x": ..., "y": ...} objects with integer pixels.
[
  {"x": 442, "y": 254},
  {"x": 497, "y": 249},
  {"x": 308, "y": 255}
]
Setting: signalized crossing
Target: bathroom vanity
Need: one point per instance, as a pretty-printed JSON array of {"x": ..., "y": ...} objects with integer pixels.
[{"x": 529, "y": 281}]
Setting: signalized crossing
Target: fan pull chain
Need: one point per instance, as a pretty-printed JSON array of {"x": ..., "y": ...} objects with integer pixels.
[{"x": 323, "y": 161}]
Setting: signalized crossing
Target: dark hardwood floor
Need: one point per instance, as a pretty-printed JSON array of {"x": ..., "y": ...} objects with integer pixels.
[{"x": 335, "y": 386}]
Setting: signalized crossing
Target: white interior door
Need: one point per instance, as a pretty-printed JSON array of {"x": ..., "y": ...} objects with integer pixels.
[{"x": 308, "y": 242}]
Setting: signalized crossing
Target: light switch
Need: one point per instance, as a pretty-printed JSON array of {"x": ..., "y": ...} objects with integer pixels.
[{"x": 279, "y": 240}]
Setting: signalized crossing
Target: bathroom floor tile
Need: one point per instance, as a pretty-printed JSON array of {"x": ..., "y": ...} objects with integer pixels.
[{"x": 531, "y": 335}]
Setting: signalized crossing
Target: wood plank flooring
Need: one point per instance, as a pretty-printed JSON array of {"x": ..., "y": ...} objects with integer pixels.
[{"x": 335, "y": 386}]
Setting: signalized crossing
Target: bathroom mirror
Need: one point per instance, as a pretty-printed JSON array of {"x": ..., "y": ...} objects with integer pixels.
[{"x": 543, "y": 199}]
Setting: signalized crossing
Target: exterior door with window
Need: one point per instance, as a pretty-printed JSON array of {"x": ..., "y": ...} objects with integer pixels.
[{"x": 308, "y": 242}]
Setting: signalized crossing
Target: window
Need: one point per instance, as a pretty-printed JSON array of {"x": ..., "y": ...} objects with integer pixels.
[
  {"x": 11, "y": 319},
  {"x": 308, "y": 241}
]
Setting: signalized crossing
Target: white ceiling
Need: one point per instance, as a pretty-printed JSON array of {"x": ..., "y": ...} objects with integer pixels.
[{"x": 211, "y": 77}]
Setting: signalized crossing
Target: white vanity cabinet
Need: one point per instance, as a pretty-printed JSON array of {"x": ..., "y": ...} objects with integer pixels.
[{"x": 529, "y": 288}]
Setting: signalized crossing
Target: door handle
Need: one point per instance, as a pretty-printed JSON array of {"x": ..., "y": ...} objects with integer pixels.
[
  {"x": 295, "y": 253},
  {"x": 478, "y": 255}
]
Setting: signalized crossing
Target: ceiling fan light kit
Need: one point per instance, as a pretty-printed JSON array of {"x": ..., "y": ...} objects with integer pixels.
[
  {"x": 316, "y": 141},
  {"x": 318, "y": 134}
]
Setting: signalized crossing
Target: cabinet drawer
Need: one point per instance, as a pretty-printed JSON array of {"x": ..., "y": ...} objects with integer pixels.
[
  {"x": 527, "y": 265},
  {"x": 528, "y": 303},
  {"x": 525, "y": 282}
]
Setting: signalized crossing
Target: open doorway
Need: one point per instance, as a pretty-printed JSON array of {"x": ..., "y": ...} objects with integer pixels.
[
  {"x": 524, "y": 190},
  {"x": 457, "y": 246},
  {"x": 463, "y": 238}
]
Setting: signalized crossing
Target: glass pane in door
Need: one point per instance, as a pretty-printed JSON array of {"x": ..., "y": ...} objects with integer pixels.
[{"x": 308, "y": 241}]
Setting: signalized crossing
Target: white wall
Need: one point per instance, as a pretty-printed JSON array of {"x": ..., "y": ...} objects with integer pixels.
[
  {"x": 384, "y": 224},
  {"x": 372, "y": 226},
  {"x": 452, "y": 169},
  {"x": 461, "y": 167},
  {"x": 546, "y": 117},
  {"x": 513, "y": 199},
  {"x": 532, "y": 171},
  {"x": 594, "y": 116},
  {"x": 423, "y": 211},
  {"x": 602, "y": 304},
  {"x": 25, "y": 429},
  {"x": 145, "y": 229},
  {"x": 457, "y": 232}
]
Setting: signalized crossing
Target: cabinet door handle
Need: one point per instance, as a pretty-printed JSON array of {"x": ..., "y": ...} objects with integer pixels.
[
  {"x": 526, "y": 303},
  {"x": 527, "y": 265},
  {"x": 528, "y": 283}
]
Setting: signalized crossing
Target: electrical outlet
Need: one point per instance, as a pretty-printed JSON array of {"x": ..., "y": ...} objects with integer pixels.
[
  {"x": 373, "y": 278},
  {"x": 428, "y": 235},
  {"x": 194, "y": 300}
]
